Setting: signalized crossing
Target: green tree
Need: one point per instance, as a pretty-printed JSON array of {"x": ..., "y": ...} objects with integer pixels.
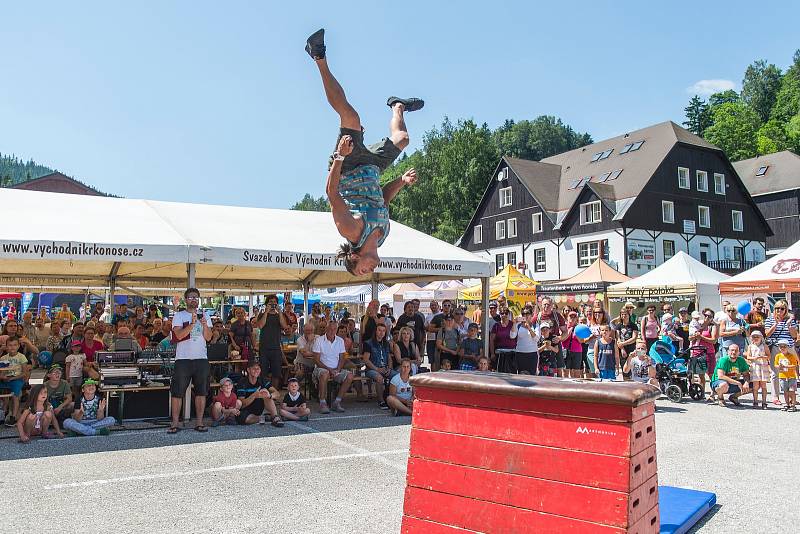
[
  {"x": 793, "y": 134},
  {"x": 771, "y": 137},
  {"x": 787, "y": 100},
  {"x": 310, "y": 203},
  {"x": 725, "y": 97},
  {"x": 698, "y": 115},
  {"x": 760, "y": 87},
  {"x": 537, "y": 139},
  {"x": 734, "y": 130}
]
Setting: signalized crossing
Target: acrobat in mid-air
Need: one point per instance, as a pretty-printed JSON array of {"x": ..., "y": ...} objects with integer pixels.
[{"x": 359, "y": 204}]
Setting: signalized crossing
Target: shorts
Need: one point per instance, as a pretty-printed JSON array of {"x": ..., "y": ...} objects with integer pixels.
[
  {"x": 76, "y": 381},
  {"x": 372, "y": 374},
  {"x": 608, "y": 374},
  {"x": 732, "y": 388},
  {"x": 15, "y": 386},
  {"x": 560, "y": 363},
  {"x": 196, "y": 371},
  {"x": 339, "y": 378},
  {"x": 381, "y": 154},
  {"x": 526, "y": 362},
  {"x": 271, "y": 361},
  {"x": 574, "y": 360},
  {"x": 255, "y": 408},
  {"x": 788, "y": 384},
  {"x": 698, "y": 365}
]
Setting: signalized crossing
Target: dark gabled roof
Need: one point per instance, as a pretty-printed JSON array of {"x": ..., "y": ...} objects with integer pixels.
[
  {"x": 783, "y": 173},
  {"x": 61, "y": 177},
  {"x": 637, "y": 166},
  {"x": 540, "y": 179}
]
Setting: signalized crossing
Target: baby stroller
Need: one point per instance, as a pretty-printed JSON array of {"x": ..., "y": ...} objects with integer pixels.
[
  {"x": 692, "y": 354},
  {"x": 671, "y": 371}
]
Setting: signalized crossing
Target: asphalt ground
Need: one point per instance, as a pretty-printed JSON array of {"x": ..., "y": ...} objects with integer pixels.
[{"x": 346, "y": 473}]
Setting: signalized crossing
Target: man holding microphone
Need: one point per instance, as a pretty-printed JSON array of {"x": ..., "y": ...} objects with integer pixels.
[{"x": 191, "y": 330}]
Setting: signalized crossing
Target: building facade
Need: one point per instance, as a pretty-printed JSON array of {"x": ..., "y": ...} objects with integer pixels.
[
  {"x": 635, "y": 199},
  {"x": 774, "y": 183},
  {"x": 57, "y": 182}
]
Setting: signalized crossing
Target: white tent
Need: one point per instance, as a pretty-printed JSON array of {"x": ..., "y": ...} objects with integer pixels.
[
  {"x": 445, "y": 289},
  {"x": 76, "y": 240},
  {"x": 778, "y": 274},
  {"x": 352, "y": 294},
  {"x": 679, "y": 278}
]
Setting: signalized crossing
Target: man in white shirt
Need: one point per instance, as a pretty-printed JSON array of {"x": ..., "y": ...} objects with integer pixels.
[
  {"x": 191, "y": 330},
  {"x": 330, "y": 357}
]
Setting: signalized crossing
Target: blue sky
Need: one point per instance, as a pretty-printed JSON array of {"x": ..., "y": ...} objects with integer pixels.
[{"x": 216, "y": 102}]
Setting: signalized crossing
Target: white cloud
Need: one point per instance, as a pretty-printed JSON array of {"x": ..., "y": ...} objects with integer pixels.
[{"x": 709, "y": 87}]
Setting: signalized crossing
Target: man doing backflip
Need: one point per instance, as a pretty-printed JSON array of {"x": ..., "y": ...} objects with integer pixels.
[{"x": 359, "y": 204}]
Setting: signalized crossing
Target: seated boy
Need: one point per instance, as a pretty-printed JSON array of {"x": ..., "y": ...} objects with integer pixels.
[
  {"x": 14, "y": 368},
  {"x": 89, "y": 417},
  {"x": 483, "y": 364},
  {"x": 471, "y": 349},
  {"x": 294, "y": 405},
  {"x": 225, "y": 405},
  {"x": 445, "y": 365},
  {"x": 58, "y": 393}
]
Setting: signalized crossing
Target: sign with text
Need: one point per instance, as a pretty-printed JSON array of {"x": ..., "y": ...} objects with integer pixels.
[{"x": 641, "y": 252}]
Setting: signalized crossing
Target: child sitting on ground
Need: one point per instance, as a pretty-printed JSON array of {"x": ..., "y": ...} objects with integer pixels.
[
  {"x": 89, "y": 417},
  {"x": 471, "y": 349},
  {"x": 225, "y": 405},
  {"x": 445, "y": 365},
  {"x": 59, "y": 394},
  {"x": 483, "y": 364},
  {"x": 294, "y": 406},
  {"x": 37, "y": 417},
  {"x": 786, "y": 363},
  {"x": 669, "y": 329},
  {"x": 75, "y": 362}
]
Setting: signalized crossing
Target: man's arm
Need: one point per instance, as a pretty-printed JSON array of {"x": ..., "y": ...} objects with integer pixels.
[{"x": 391, "y": 189}]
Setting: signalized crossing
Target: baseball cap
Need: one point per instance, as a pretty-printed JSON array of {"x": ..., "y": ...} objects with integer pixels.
[
  {"x": 493, "y": 304},
  {"x": 293, "y": 379},
  {"x": 54, "y": 367},
  {"x": 696, "y": 315},
  {"x": 473, "y": 325},
  {"x": 666, "y": 316},
  {"x": 76, "y": 343},
  {"x": 758, "y": 333},
  {"x": 545, "y": 324},
  {"x": 683, "y": 310},
  {"x": 90, "y": 382},
  {"x": 225, "y": 380},
  {"x": 783, "y": 342},
  {"x": 630, "y": 304}
]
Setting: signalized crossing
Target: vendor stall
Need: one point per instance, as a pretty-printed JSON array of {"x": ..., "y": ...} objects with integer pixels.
[
  {"x": 777, "y": 277},
  {"x": 510, "y": 283},
  {"x": 585, "y": 287},
  {"x": 681, "y": 280}
]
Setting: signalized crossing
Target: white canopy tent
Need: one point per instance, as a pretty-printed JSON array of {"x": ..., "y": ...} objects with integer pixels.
[
  {"x": 778, "y": 274},
  {"x": 352, "y": 294},
  {"x": 679, "y": 278}
]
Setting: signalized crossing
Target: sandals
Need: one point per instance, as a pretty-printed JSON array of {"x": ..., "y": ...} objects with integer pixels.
[
  {"x": 201, "y": 428},
  {"x": 735, "y": 400},
  {"x": 173, "y": 430},
  {"x": 721, "y": 402},
  {"x": 277, "y": 422}
]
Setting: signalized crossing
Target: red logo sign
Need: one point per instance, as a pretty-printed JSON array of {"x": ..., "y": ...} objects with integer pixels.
[{"x": 786, "y": 266}]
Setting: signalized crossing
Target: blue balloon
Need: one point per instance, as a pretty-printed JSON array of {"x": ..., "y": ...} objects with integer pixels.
[
  {"x": 744, "y": 307},
  {"x": 45, "y": 358},
  {"x": 583, "y": 331}
]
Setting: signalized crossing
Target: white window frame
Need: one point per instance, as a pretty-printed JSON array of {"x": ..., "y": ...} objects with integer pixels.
[
  {"x": 734, "y": 213},
  {"x": 509, "y": 256},
  {"x": 588, "y": 257},
  {"x": 684, "y": 182},
  {"x": 539, "y": 267},
  {"x": 536, "y": 221},
  {"x": 704, "y": 174},
  {"x": 500, "y": 230},
  {"x": 509, "y": 226},
  {"x": 591, "y": 206},
  {"x": 671, "y": 205},
  {"x": 499, "y": 261},
  {"x": 477, "y": 234},
  {"x": 719, "y": 187},
  {"x": 700, "y": 210},
  {"x": 664, "y": 248},
  {"x": 504, "y": 202}
]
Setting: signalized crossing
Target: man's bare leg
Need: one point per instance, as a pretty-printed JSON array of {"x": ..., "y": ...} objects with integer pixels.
[
  {"x": 336, "y": 98},
  {"x": 398, "y": 132}
]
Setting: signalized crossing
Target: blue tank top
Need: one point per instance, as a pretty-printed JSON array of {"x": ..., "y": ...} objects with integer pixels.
[
  {"x": 361, "y": 191},
  {"x": 605, "y": 356}
]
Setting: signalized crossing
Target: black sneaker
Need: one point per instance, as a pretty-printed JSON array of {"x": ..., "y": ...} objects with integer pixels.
[
  {"x": 383, "y": 406},
  {"x": 411, "y": 104},
  {"x": 315, "y": 44},
  {"x": 10, "y": 421}
]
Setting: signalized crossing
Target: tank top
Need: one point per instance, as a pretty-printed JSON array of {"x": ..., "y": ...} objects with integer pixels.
[
  {"x": 650, "y": 328},
  {"x": 361, "y": 191},
  {"x": 605, "y": 356},
  {"x": 406, "y": 351}
]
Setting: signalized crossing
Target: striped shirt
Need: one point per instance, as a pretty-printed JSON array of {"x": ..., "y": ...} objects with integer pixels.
[{"x": 781, "y": 332}]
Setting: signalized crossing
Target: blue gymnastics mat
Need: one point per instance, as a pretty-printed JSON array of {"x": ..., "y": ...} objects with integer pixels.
[{"x": 681, "y": 508}]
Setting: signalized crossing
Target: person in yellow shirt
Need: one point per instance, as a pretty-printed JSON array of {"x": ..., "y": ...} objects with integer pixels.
[
  {"x": 786, "y": 363},
  {"x": 65, "y": 313}
]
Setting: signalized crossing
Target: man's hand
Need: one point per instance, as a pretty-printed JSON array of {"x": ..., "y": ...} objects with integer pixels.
[
  {"x": 409, "y": 177},
  {"x": 103, "y": 404},
  {"x": 345, "y": 147}
]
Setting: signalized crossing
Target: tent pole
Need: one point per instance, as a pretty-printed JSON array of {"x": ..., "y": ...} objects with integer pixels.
[
  {"x": 374, "y": 287},
  {"x": 85, "y": 305},
  {"x": 306, "y": 286},
  {"x": 191, "y": 274},
  {"x": 485, "y": 314},
  {"x": 251, "y": 305}
]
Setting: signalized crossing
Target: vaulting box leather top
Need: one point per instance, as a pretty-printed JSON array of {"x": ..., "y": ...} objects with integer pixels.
[{"x": 539, "y": 387}]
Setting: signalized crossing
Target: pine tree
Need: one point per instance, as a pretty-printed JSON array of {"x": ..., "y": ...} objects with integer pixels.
[{"x": 698, "y": 116}]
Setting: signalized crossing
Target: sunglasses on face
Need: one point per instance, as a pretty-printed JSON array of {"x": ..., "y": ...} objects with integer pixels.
[
  {"x": 504, "y": 313},
  {"x": 779, "y": 308}
]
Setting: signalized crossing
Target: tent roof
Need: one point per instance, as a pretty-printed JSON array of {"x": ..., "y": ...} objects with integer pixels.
[
  {"x": 680, "y": 270},
  {"x": 443, "y": 285},
  {"x": 776, "y": 275},
  {"x": 352, "y": 294},
  {"x": 387, "y": 295},
  {"x": 507, "y": 282},
  {"x": 599, "y": 271},
  {"x": 86, "y": 240}
]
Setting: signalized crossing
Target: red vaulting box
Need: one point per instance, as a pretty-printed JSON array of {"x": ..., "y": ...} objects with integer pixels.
[{"x": 501, "y": 453}]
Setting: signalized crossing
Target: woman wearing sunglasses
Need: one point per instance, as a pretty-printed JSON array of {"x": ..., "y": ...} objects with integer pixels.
[{"x": 780, "y": 326}]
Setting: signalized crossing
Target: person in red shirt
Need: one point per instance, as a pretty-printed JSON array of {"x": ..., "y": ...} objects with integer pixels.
[{"x": 225, "y": 405}]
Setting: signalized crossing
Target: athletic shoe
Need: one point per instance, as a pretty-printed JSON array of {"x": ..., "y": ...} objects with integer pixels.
[
  {"x": 263, "y": 420},
  {"x": 411, "y": 104},
  {"x": 323, "y": 407},
  {"x": 383, "y": 406},
  {"x": 315, "y": 44},
  {"x": 10, "y": 420},
  {"x": 337, "y": 407}
]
